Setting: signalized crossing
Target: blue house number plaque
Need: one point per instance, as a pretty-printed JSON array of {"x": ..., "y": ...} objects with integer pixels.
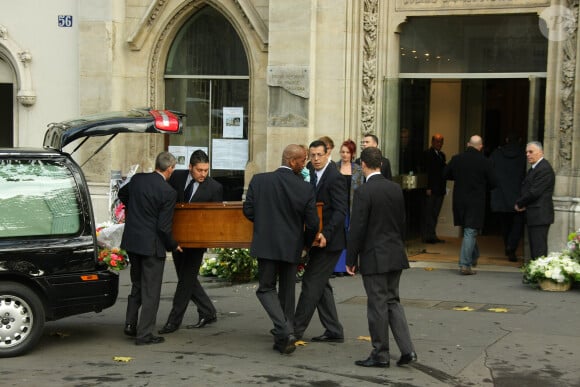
[{"x": 65, "y": 20}]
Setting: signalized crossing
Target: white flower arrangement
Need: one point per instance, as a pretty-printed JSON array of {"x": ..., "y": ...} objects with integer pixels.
[{"x": 558, "y": 267}]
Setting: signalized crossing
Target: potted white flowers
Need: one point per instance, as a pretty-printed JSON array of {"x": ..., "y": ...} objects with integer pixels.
[
  {"x": 556, "y": 272},
  {"x": 231, "y": 264}
]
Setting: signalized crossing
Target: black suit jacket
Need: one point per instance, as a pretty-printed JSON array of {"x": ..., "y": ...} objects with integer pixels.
[
  {"x": 434, "y": 164},
  {"x": 208, "y": 191},
  {"x": 473, "y": 175},
  {"x": 331, "y": 191},
  {"x": 283, "y": 209},
  {"x": 149, "y": 203},
  {"x": 536, "y": 194},
  {"x": 377, "y": 227}
]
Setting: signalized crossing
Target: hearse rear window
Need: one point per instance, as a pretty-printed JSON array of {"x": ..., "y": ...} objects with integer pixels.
[{"x": 37, "y": 198}]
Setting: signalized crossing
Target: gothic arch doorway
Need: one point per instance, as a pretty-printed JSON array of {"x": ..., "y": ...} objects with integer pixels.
[{"x": 207, "y": 78}]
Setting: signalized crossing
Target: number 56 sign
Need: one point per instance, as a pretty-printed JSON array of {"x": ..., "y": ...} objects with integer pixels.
[{"x": 65, "y": 20}]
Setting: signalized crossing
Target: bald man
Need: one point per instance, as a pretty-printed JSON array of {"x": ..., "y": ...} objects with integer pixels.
[{"x": 473, "y": 176}]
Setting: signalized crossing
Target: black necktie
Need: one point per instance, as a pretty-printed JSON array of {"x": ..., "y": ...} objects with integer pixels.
[
  {"x": 188, "y": 191},
  {"x": 313, "y": 178}
]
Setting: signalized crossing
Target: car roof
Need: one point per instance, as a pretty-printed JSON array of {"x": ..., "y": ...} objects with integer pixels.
[{"x": 58, "y": 135}]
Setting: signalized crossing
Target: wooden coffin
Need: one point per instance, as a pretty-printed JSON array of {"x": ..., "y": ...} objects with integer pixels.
[{"x": 214, "y": 225}]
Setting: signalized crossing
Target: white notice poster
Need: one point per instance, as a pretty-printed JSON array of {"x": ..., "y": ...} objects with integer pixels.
[
  {"x": 233, "y": 121},
  {"x": 229, "y": 154}
]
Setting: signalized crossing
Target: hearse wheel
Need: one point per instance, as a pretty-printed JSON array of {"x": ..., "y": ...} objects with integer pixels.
[{"x": 21, "y": 319}]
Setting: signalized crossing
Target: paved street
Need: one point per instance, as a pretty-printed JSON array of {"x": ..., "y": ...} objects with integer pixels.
[{"x": 504, "y": 334}]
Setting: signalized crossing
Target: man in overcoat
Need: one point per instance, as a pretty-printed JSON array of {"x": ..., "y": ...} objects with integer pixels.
[{"x": 473, "y": 176}]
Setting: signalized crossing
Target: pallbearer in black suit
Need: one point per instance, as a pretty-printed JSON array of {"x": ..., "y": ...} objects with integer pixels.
[
  {"x": 375, "y": 245},
  {"x": 150, "y": 203},
  {"x": 536, "y": 199},
  {"x": 316, "y": 290},
  {"x": 193, "y": 185},
  {"x": 434, "y": 163},
  {"x": 283, "y": 208}
]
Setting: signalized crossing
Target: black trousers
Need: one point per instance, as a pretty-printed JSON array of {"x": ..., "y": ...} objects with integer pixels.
[
  {"x": 431, "y": 209},
  {"x": 188, "y": 287},
  {"x": 317, "y": 294},
  {"x": 538, "y": 236},
  {"x": 278, "y": 303},
  {"x": 146, "y": 280},
  {"x": 512, "y": 227}
]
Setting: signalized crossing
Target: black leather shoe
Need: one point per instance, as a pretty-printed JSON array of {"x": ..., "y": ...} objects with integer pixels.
[
  {"x": 370, "y": 362},
  {"x": 406, "y": 359},
  {"x": 328, "y": 339},
  {"x": 286, "y": 346},
  {"x": 203, "y": 321},
  {"x": 130, "y": 330},
  {"x": 149, "y": 339},
  {"x": 168, "y": 328}
]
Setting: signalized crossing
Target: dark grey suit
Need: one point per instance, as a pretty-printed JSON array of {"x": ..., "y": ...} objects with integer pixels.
[
  {"x": 150, "y": 203},
  {"x": 283, "y": 209},
  {"x": 536, "y": 197},
  {"x": 187, "y": 263},
  {"x": 375, "y": 240},
  {"x": 316, "y": 292}
]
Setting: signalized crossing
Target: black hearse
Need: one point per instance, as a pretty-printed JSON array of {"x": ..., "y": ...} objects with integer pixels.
[{"x": 48, "y": 246}]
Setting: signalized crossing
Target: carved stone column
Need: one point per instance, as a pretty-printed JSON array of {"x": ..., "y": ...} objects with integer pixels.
[{"x": 562, "y": 131}]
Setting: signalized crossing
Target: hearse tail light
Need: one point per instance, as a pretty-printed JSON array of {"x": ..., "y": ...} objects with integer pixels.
[
  {"x": 165, "y": 120},
  {"x": 90, "y": 277}
]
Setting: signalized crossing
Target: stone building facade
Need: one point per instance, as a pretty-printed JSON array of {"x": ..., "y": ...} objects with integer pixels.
[{"x": 255, "y": 75}]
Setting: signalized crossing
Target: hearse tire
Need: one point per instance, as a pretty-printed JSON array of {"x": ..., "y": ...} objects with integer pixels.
[{"x": 22, "y": 319}]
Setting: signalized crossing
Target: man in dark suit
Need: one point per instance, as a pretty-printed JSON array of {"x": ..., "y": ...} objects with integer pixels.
[
  {"x": 283, "y": 208},
  {"x": 375, "y": 245},
  {"x": 193, "y": 185},
  {"x": 434, "y": 163},
  {"x": 372, "y": 141},
  {"x": 316, "y": 290},
  {"x": 149, "y": 203},
  {"x": 473, "y": 176},
  {"x": 536, "y": 199}
]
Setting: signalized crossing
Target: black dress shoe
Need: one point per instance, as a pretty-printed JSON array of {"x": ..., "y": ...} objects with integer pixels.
[
  {"x": 286, "y": 345},
  {"x": 439, "y": 240},
  {"x": 328, "y": 339},
  {"x": 370, "y": 362},
  {"x": 406, "y": 359},
  {"x": 130, "y": 330},
  {"x": 203, "y": 321},
  {"x": 149, "y": 339},
  {"x": 168, "y": 328}
]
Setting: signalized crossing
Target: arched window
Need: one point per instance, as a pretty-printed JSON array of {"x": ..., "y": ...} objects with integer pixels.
[{"x": 207, "y": 78}]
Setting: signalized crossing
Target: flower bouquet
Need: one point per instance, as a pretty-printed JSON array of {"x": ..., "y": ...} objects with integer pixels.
[
  {"x": 235, "y": 265},
  {"x": 115, "y": 258},
  {"x": 555, "y": 272}
]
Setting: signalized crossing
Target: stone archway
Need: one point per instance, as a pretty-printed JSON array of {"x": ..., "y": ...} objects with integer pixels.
[{"x": 19, "y": 59}]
